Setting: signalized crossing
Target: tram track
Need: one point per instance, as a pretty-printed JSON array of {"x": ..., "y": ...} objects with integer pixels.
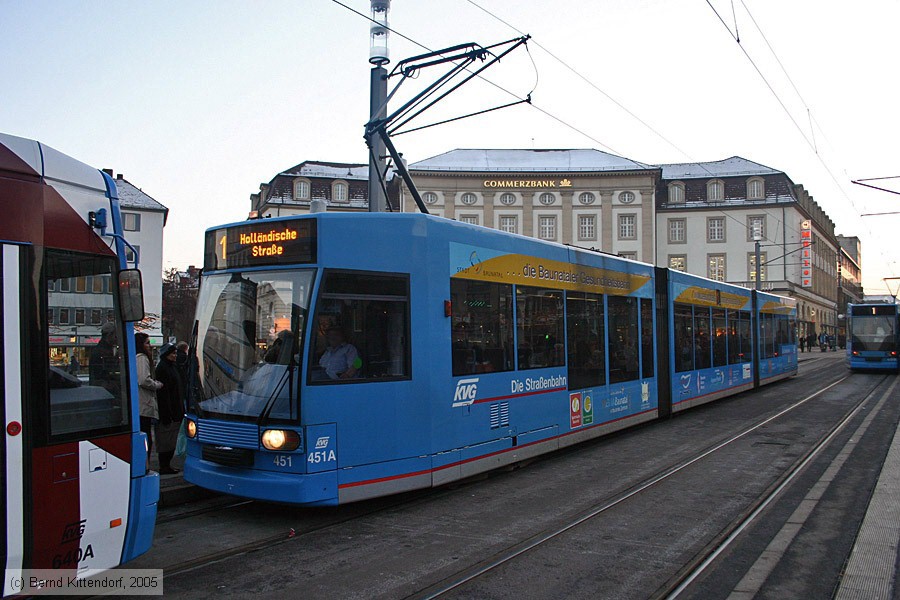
[
  {"x": 515, "y": 551},
  {"x": 694, "y": 569},
  {"x": 372, "y": 508}
]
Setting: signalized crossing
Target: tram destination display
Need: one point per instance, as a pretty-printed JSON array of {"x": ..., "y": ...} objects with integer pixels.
[{"x": 259, "y": 244}]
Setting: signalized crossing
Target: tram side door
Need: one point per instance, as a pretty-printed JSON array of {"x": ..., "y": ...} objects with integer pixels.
[
  {"x": 82, "y": 438},
  {"x": 14, "y": 517}
]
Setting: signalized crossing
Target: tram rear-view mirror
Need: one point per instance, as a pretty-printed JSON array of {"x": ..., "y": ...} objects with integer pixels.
[{"x": 131, "y": 295}]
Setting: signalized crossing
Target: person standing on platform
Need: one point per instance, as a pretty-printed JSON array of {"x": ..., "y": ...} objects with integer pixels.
[
  {"x": 802, "y": 343},
  {"x": 171, "y": 408},
  {"x": 147, "y": 387}
]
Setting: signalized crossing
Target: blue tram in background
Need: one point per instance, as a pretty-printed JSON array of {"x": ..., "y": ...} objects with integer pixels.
[
  {"x": 872, "y": 342},
  {"x": 348, "y": 356}
]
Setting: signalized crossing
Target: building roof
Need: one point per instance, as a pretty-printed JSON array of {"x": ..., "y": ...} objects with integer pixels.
[
  {"x": 132, "y": 197},
  {"x": 729, "y": 167},
  {"x": 314, "y": 168},
  {"x": 585, "y": 160}
]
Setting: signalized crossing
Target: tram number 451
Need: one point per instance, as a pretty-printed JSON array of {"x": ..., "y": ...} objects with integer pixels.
[{"x": 321, "y": 456}]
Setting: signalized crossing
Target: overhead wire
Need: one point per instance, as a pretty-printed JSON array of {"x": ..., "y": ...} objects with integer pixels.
[
  {"x": 632, "y": 114},
  {"x": 810, "y": 142},
  {"x": 486, "y": 80}
]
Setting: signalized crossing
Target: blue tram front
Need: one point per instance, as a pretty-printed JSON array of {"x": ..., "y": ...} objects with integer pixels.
[
  {"x": 348, "y": 356},
  {"x": 873, "y": 339}
]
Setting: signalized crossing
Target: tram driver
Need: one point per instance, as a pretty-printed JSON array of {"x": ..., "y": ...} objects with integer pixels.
[{"x": 340, "y": 359}]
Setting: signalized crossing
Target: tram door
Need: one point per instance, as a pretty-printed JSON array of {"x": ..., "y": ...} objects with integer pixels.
[{"x": 68, "y": 435}]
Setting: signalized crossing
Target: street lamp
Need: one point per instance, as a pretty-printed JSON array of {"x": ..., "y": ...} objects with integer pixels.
[
  {"x": 757, "y": 237},
  {"x": 379, "y": 55}
]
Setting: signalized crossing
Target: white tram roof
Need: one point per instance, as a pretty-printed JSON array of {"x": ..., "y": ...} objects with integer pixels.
[{"x": 51, "y": 164}]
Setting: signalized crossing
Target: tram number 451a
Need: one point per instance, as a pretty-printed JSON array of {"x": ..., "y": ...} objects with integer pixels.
[{"x": 321, "y": 456}]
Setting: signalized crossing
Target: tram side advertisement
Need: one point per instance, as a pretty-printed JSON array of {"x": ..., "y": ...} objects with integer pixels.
[
  {"x": 586, "y": 407},
  {"x": 261, "y": 244}
]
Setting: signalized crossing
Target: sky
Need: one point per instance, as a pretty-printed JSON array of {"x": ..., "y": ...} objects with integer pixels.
[{"x": 197, "y": 102}]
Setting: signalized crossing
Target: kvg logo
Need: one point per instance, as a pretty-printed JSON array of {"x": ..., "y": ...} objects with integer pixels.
[{"x": 466, "y": 390}]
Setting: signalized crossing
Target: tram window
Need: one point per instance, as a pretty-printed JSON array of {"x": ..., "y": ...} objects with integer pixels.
[
  {"x": 539, "y": 321},
  {"x": 746, "y": 337},
  {"x": 623, "y": 338},
  {"x": 720, "y": 338},
  {"x": 701, "y": 338},
  {"x": 481, "y": 327},
  {"x": 363, "y": 326},
  {"x": 766, "y": 335},
  {"x": 87, "y": 390},
  {"x": 734, "y": 338},
  {"x": 586, "y": 340},
  {"x": 647, "y": 356},
  {"x": 684, "y": 338}
]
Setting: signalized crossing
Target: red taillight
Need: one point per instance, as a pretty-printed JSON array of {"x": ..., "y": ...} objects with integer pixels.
[{"x": 855, "y": 353}]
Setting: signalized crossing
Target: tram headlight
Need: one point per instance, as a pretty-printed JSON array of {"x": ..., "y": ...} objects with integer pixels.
[
  {"x": 281, "y": 440},
  {"x": 191, "y": 428}
]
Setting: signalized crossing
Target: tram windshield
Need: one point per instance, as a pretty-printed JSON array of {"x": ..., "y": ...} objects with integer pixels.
[
  {"x": 249, "y": 343},
  {"x": 873, "y": 333}
]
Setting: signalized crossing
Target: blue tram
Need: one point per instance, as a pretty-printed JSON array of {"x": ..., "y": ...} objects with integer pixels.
[
  {"x": 873, "y": 336},
  {"x": 334, "y": 367}
]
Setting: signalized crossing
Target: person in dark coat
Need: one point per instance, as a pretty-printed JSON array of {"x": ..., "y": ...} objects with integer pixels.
[{"x": 171, "y": 407}]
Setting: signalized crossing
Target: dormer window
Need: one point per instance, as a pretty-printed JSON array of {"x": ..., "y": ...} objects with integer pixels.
[
  {"x": 715, "y": 190},
  {"x": 756, "y": 189},
  {"x": 339, "y": 191},
  {"x": 301, "y": 189},
  {"x": 676, "y": 193}
]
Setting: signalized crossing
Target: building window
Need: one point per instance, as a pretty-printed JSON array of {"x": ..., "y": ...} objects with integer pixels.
[
  {"x": 96, "y": 316},
  {"x": 132, "y": 256},
  {"x": 64, "y": 316},
  {"x": 587, "y": 227},
  {"x": 676, "y": 193},
  {"x": 339, "y": 192},
  {"x": 716, "y": 267},
  {"x": 715, "y": 229},
  {"x": 756, "y": 189},
  {"x": 756, "y": 223},
  {"x": 470, "y": 219},
  {"x": 81, "y": 284},
  {"x": 626, "y": 197},
  {"x": 301, "y": 189},
  {"x": 65, "y": 285},
  {"x": 97, "y": 284},
  {"x": 131, "y": 221},
  {"x": 678, "y": 262},
  {"x": 751, "y": 266},
  {"x": 547, "y": 199},
  {"x": 509, "y": 224},
  {"x": 628, "y": 255},
  {"x": 715, "y": 190},
  {"x": 430, "y": 198},
  {"x": 469, "y": 198},
  {"x": 677, "y": 231},
  {"x": 627, "y": 227},
  {"x": 507, "y": 199},
  {"x": 79, "y": 316},
  {"x": 547, "y": 228},
  {"x": 586, "y": 198}
]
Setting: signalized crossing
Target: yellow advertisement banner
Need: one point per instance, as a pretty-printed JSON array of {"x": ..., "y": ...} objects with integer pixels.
[
  {"x": 699, "y": 296},
  {"x": 785, "y": 307},
  {"x": 529, "y": 270}
]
